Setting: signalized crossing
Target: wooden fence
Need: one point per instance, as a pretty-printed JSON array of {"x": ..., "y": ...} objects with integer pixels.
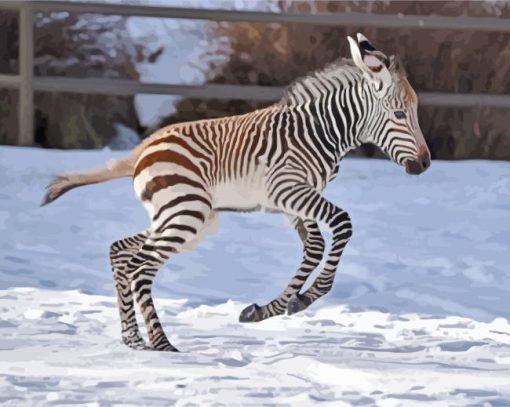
[{"x": 26, "y": 83}]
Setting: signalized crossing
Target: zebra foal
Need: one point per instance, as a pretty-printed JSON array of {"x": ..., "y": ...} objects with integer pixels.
[{"x": 277, "y": 159}]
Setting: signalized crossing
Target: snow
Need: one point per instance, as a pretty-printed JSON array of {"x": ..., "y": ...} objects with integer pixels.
[
  {"x": 66, "y": 350},
  {"x": 125, "y": 138},
  {"x": 418, "y": 314}
]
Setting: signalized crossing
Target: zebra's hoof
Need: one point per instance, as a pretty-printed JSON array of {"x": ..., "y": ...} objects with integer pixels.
[
  {"x": 162, "y": 344},
  {"x": 167, "y": 348},
  {"x": 297, "y": 303},
  {"x": 135, "y": 342},
  {"x": 251, "y": 313}
]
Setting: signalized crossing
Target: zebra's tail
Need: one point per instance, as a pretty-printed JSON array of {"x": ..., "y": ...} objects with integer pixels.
[{"x": 116, "y": 168}]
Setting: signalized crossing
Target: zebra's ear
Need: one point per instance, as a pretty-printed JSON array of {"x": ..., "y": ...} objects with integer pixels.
[
  {"x": 355, "y": 52},
  {"x": 370, "y": 61},
  {"x": 367, "y": 48}
]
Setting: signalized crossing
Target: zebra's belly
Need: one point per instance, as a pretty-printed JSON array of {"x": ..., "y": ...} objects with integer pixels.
[{"x": 243, "y": 197}]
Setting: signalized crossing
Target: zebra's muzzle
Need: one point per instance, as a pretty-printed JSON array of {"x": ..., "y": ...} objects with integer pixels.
[{"x": 420, "y": 164}]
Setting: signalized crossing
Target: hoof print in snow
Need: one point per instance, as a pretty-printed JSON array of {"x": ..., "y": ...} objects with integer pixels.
[
  {"x": 297, "y": 303},
  {"x": 251, "y": 313}
]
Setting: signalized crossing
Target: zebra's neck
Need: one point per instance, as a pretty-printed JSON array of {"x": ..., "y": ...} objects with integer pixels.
[
  {"x": 331, "y": 106},
  {"x": 332, "y": 123}
]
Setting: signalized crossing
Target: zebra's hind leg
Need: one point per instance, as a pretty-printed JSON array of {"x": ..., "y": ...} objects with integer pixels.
[
  {"x": 121, "y": 252},
  {"x": 313, "y": 249},
  {"x": 168, "y": 236}
]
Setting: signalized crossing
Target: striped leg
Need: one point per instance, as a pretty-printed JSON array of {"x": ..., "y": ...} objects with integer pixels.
[
  {"x": 168, "y": 237},
  {"x": 311, "y": 205},
  {"x": 121, "y": 252},
  {"x": 313, "y": 249}
]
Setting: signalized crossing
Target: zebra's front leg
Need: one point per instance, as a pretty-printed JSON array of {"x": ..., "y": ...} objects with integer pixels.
[
  {"x": 342, "y": 232},
  {"x": 121, "y": 252},
  {"x": 312, "y": 205},
  {"x": 313, "y": 249}
]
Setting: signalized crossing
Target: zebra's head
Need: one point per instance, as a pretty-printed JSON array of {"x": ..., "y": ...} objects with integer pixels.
[{"x": 392, "y": 124}]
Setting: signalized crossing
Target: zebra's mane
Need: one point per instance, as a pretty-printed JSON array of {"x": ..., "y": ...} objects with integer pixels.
[
  {"x": 306, "y": 87},
  {"x": 341, "y": 71}
]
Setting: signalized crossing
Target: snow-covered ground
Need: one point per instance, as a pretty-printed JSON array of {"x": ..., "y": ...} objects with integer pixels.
[
  {"x": 63, "y": 347},
  {"x": 418, "y": 314}
]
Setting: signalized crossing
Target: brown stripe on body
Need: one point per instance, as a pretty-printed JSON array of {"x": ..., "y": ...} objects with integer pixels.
[
  {"x": 191, "y": 134},
  {"x": 206, "y": 153},
  {"x": 165, "y": 156},
  {"x": 180, "y": 141},
  {"x": 160, "y": 140},
  {"x": 164, "y": 181}
]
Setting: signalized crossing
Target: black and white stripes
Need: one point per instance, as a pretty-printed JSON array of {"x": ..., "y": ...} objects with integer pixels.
[{"x": 277, "y": 159}]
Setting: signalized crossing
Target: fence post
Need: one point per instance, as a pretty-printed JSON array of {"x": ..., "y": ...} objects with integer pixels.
[{"x": 26, "y": 72}]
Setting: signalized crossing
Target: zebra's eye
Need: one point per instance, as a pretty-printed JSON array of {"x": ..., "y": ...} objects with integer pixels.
[{"x": 399, "y": 114}]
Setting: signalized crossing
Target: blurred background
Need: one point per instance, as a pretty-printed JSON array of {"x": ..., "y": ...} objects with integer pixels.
[{"x": 460, "y": 68}]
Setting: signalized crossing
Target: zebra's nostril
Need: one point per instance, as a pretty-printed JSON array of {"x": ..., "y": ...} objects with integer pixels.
[{"x": 424, "y": 164}]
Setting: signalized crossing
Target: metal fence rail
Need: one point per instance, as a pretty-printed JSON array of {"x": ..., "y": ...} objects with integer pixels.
[
  {"x": 27, "y": 84},
  {"x": 225, "y": 91},
  {"x": 348, "y": 19}
]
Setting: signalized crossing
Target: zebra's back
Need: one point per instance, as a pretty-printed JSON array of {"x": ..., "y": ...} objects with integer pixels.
[{"x": 223, "y": 159}]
